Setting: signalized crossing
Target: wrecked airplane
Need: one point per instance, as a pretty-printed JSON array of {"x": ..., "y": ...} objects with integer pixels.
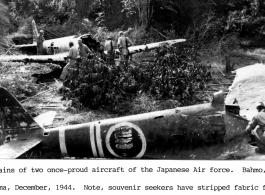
[
  {"x": 156, "y": 135},
  {"x": 247, "y": 89},
  {"x": 55, "y": 50},
  {"x": 58, "y": 45}
]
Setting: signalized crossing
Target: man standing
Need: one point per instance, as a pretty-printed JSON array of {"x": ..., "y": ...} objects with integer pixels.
[
  {"x": 72, "y": 56},
  {"x": 83, "y": 50},
  {"x": 128, "y": 34},
  {"x": 123, "y": 44},
  {"x": 40, "y": 40},
  {"x": 257, "y": 127},
  {"x": 109, "y": 47}
]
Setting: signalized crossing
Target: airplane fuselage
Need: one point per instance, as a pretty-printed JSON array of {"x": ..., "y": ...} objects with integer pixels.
[
  {"x": 156, "y": 135},
  {"x": 61, "y": 45},
  {"x": 149, "y": 135}
]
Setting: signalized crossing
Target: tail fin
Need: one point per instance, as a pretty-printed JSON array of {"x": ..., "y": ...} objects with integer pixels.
[
  {"x": 18, "y": 130},
  {"x": 35, "y": 31}
]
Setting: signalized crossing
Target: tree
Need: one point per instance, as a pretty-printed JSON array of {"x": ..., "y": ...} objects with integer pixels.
[
  {"x": 82, "y": 7},
  {"x": 4, "y": 20},
  {"x": 249, "y": 22},
  {"x": 142, "y": 8}
]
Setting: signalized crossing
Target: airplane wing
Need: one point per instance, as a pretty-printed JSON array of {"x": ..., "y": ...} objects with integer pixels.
[
  {"x": 16, "y": 148},
  {"x": 25, "y": 45},
  {"x": 150, "y": 46},
  {"x": 34, "y": 58},
  {"x": 248, "y": 89}
]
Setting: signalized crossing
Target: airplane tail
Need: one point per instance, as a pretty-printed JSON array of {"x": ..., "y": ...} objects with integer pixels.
[
  {"x": 35, "y": 31},
  {"x": 18, "y": 130}
]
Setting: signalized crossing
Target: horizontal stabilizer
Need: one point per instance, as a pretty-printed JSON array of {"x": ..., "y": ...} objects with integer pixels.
[{"x": 46, "y": 118}]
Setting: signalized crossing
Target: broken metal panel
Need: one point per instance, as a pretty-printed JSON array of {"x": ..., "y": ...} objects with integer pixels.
[{"x": 248, "y": 89}]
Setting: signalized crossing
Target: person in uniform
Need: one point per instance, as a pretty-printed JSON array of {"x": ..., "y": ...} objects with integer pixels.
[
  {"x": 72, "y": 56},
  {"x": 40, "y": 40},
  {"x": 128, "y": 34},
  {"x": 256, "y": 128},
  {"x": 109, "y": 47},
  {"x": 123, "y": 44},
  {"x": 83, "y": 50}
]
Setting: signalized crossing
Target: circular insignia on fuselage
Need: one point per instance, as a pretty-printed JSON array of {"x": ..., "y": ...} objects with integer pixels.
[{"x": 126, "y": 140}]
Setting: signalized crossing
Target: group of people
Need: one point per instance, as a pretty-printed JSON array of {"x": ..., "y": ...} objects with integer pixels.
[
  {"x": 122, "y": 44},
  {"x": 74, "y": 53}
]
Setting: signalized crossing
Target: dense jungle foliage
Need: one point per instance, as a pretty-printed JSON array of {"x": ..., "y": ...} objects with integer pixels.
[{"x": 202, "y": 20}]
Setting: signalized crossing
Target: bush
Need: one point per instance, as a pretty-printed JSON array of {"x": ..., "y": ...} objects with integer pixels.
[
  {"x": 16, "y": 82},
  {"x": 248, "y": 23},
  {"x": 176, "y": 73},
  {"x": 19, "y": 87}
]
